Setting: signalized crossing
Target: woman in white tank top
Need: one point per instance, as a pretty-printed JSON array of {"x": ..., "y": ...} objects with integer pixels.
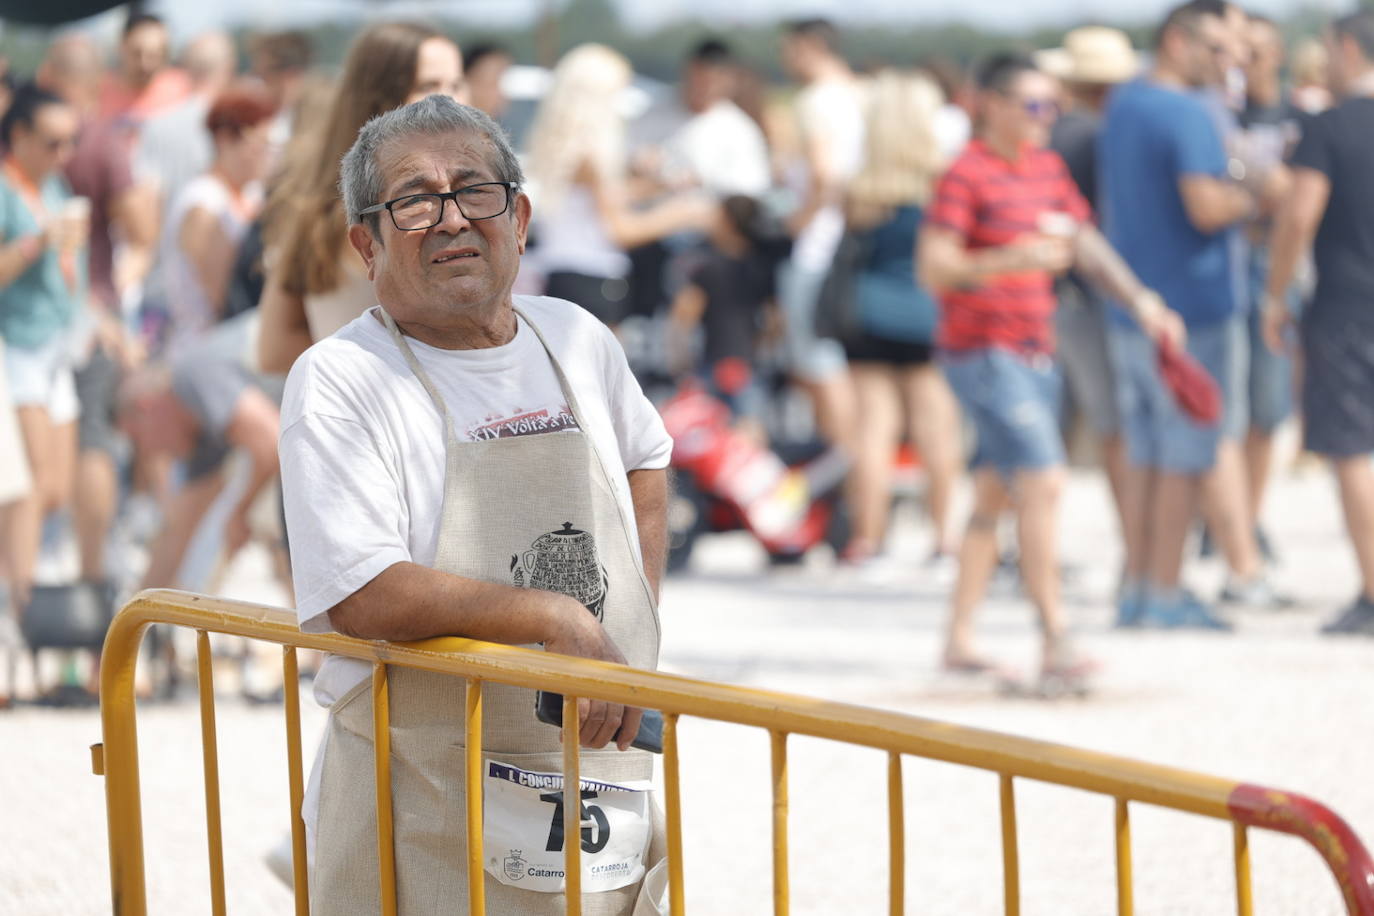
[{"x": 210, "y": 215}]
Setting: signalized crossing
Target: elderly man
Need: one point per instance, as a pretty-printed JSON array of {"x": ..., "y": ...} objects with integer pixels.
[{"x": 459, "y": 461}]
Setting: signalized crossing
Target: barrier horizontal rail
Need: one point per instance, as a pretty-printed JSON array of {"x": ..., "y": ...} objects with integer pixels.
[{"x": 780, "y": 714}]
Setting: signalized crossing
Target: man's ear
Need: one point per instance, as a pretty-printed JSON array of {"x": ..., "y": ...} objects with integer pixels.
[
  {"x": 363, "y": 242},
  {"x": 522, "y": 220}
]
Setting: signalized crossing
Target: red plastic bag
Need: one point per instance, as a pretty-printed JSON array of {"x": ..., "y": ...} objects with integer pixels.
[{"x": 1193, "y": 388}]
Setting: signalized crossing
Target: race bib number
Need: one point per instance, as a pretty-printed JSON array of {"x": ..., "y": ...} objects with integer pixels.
[{"x": 523, "y": 832}]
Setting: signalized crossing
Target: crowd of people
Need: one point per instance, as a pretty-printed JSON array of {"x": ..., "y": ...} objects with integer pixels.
[{"x": 1080, "y": 238}]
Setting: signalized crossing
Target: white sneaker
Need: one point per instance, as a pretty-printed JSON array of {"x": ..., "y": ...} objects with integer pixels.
[
  {"x": 940, "y": 569},
  {"x": 1258, "y": 592}
]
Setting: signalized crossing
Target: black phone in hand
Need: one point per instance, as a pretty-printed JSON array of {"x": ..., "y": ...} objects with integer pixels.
[{"x": 548, "y": 708}]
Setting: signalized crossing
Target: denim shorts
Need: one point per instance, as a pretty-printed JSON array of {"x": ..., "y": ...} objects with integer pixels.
[
  {"x": 1013, "y": 403},
  {"x": 1158, "y": 434}
]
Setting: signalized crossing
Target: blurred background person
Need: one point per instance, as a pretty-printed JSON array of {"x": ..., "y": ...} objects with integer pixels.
[
  {"x": 197, "y": 409},
  {"x": 730, "y": 295},
  {"x": 900, "y": 390},
  {"x": 173, "y": 147},
  {"x": 15, "y": 484},
  {"x": 1332, "y": 203},
  {"x": 43, "y": 233},
  {"x": 586, "y": 217},
  {"x": 281, "y": 61},
  {"x": 123, "y": 234},
  {"x": 211, "y": 214},
  {"x": 315, "y": 283},
  {"x": 719, "y": 147},
  {"x": 485, "y": 66},
  {"x": 1229, "y": 523},
  {"x": 1006, "y": 218},
  {"x": 1170, "y": 209},
  {"x": 829, "y": 110},
  {"x": 1310, "y": 70},
  {"x": 1091, "y": 62},
  {"x": 144, "y": 83},
  {"x": 1271, "y": 127}
]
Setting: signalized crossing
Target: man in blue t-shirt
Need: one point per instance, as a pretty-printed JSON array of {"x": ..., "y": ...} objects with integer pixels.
[{"x": 1169, "y": 205}]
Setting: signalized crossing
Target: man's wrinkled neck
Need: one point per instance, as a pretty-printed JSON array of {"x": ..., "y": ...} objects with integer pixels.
[{"x": 481, "y": 329}]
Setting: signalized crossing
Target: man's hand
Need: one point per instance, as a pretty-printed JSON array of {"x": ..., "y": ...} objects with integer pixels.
[
  {"x": 1277, "y": 323},
  {"x": 1159, "y": 322},
  {"x": 583, "y": 636},
  {"x": 1049, "y": 253}
]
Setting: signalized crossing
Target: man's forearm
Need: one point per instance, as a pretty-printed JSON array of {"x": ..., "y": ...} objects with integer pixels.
[
  {"x": 408, "y": 601},
  {"x": 1099, "y": 263},
  {"x": 649, "y": 490},
  {"x": 1286, "y": 245}
]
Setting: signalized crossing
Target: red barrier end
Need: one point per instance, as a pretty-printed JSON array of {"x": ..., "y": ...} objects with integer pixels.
[{"x": 1286, "y": 812}]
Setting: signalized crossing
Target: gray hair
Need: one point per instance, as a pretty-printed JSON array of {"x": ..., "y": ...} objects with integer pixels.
[{"x": 361, "y": 182}]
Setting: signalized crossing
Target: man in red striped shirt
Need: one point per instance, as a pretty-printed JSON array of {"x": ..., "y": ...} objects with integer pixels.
[{"x": 1006, "y": 218}]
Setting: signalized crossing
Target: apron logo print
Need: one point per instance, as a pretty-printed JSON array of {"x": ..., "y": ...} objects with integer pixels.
[
  {"x": 514, "y": 866},
  {"x": 565, "y": 562}
]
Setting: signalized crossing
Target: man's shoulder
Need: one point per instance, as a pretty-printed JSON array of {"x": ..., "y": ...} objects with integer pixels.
[
  {"x": 351, "y": 356},
  {"x": 555, "y": 317},
  {"x": 1143, "y": 98}
]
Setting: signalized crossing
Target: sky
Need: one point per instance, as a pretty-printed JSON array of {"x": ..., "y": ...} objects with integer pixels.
[{"x": 188, "y": 18}]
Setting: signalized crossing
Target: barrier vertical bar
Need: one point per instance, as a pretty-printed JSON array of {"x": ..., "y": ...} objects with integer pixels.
[
  {"x": 119, "y": 740},
  {"x": 1125, "y": 894},
  {"x": 477, "y": 876},
  {"x": 896, "y": 821},
  {"x": 210, "y": 749},
  {"x": 1011, "y": 869},
  {"x": 781, "y": 902},
  {"x": 381, "y": 745},
  {"x": 291, "y": 692},
  {"x": 572, "y": 809},
  {"x": 1244, "y": 899},
  {"x": 672, "y": 790}
]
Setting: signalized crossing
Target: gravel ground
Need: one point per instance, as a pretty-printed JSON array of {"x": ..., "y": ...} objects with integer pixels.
[{"x": 1273, "y": 704}]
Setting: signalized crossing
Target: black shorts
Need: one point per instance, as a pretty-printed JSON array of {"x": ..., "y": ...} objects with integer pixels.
[
  {"x": 608, "y": 298},
  {"x": 1338, "y": 389},
  {"x": 866, "y": 348}
]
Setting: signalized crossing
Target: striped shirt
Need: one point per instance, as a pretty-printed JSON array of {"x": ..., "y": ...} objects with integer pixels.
[{"x": 990, "y": 201}]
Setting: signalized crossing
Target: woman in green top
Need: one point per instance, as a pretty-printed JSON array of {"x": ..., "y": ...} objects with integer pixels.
[{"x": 42, "y": 287}]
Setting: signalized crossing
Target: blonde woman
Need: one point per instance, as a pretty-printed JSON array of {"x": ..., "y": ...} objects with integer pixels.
[
  {"x": 315, "y": 285},
  {"x": 890, "y": 335},
  {"x": 583, "y": 212}
]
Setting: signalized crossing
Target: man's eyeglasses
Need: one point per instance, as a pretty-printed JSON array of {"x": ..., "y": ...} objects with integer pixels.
[{"x": 423, "y": 211}]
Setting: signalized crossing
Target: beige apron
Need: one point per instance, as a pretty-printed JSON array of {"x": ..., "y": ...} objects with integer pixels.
[{"x": 538, "y": 511}]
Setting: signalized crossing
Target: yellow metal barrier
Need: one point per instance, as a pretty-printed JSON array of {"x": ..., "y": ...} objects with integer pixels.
[{"x": 781, "y": 715}]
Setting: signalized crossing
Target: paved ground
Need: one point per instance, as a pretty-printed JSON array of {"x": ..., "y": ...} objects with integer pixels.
[{"x": 1273, "y": 704}]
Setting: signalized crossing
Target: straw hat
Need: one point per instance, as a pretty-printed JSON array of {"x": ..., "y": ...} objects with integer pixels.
[{"x": 1092, "y": 54}]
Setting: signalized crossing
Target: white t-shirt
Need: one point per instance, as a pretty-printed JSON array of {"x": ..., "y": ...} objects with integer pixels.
[
  {"x": 362, "y": 446},
  {"x": 833, "y": 110},
  {"x": 190, "y": 309},
  {"x": 725, "y": 150}
]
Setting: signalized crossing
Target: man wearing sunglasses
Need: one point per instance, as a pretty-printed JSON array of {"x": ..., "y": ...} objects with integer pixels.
[
  {"x": 1006, "y": 219},
  {"x": 461, "y": 461}
]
